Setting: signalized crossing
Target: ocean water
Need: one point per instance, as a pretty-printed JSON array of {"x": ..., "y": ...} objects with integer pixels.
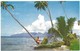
[{"x": 19, "y": 44}]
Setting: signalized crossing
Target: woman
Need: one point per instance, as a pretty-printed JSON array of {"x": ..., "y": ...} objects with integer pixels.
[{"x": 38, "y": 40}]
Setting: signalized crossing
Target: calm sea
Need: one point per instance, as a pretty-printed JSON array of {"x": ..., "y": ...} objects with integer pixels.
[{"x": 19, "y": 44}]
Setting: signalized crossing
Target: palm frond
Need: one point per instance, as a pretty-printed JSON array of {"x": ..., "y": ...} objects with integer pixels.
[
  {"x": 70, "y": 23},
  {"x": 41, "y": 5},
  {"x": 61, "y": 25},
  {"x": 9, "y": 5},
  {"x": 54, "y": 31},
  {"x": 3, "y": 4}
]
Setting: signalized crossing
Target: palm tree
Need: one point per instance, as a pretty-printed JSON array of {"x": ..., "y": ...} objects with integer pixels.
[
  {"x": 5, "y": 6},
  {"x": 63, "y": 27},
  {"x": 61, "y": 2},
  {"x": 43, "y": 5}
]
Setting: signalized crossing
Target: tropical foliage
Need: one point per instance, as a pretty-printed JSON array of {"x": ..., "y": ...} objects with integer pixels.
[
  {"x": 69, "y": 38},
  {"x": 63, "y": 27},
  {"x": 75, "y": 44},
  {"x": 51, "y": 45},
  {"x": 4, "y": 5},
  {"x": 43, "y": 5},
  {"x": 45, "y": 40}
]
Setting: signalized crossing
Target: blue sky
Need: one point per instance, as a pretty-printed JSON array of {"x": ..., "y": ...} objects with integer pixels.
[{"x": 26, "y": 13}]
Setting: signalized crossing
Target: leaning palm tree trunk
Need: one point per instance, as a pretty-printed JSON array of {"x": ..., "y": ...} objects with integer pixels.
[
  {"x": 49, "y": 14},
  {"x": 64, "y": 10},
  {"x": 20, "y": 24},
  {"x": 50, "y": 17},
  {"x": 51, "y": 22}
]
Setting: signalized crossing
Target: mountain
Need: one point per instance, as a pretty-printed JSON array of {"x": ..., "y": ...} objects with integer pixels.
[{"x": 27, "y": 35}]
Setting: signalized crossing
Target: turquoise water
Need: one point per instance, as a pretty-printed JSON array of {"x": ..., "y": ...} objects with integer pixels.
[{"x": 18, "y": 44}]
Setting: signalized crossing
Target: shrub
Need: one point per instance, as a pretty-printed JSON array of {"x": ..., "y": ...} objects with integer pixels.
[
  {"x": 74, "y": 45},
  {"x": 57, "y": 44},
  {"x": 51, "y": 45},
  {"x": 44, "y": 41},
  {"x": 69, "y": 38}
]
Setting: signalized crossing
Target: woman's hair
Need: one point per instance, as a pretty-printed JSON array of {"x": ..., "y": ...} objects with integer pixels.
[{"x": 38, "y": 37}]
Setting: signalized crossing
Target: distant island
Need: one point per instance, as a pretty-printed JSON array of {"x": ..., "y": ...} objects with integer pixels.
[{"x": 26, "y": 35}]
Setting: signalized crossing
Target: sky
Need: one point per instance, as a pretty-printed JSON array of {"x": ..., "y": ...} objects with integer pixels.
[{"x": 35, "y": 20}]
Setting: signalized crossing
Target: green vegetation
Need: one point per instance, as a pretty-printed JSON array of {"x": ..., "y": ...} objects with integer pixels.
[
  {"x": 64, "y": 30},
  {"x": 75, "y": 44},
  {"x": 63, "y": 27},
  {"x": 69, "y": 38},
  {"x": 45, "y": 41},
  {"x": 43, "y": 5},
  {"x": 51, "y": 45}
]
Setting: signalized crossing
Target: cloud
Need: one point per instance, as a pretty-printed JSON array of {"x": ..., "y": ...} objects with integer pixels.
[
  {"x": 76, "y": 28},
  {"x": 40, "y": 25}
]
